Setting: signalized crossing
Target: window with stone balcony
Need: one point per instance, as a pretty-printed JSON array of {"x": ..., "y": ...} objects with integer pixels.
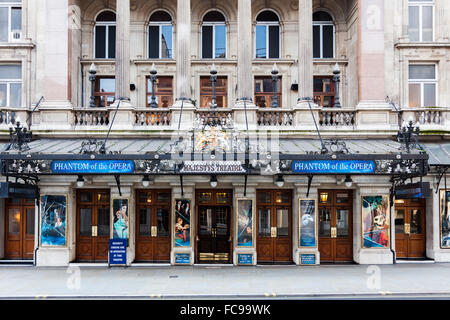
[
  {"x": 104, "y": 93},
  {"x": 163, "y": 91},
  {"x": 421, "y": 20},
  {"x": 10, "y": 20},
  {"x": 206, "y": 92},
  {"x": 267, "y": 35},
  {"x": 160, "y": 36},
  {"x": 105, "y": 35},
  {"x": 214, "y": 36},
  {"x": 264, "y": 91},
  {"x": 323, "y": 35},
  {"x": 324, "y": 92},
  {"x": 10, "y": 85},
  {"x": 422, "y": 85}
]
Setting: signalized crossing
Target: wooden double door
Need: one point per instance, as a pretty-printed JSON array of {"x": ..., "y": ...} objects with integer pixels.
[
  {"x": 153, "y": 210},
  {"x": 19, "y": 228},
  {"x": 410, "y": 228},
  {"x": 214, "y": 230},
  {"x": 335, "y": 225},
  {"x": 274, "y": 215},
  {"x": 93, "y": 225}
]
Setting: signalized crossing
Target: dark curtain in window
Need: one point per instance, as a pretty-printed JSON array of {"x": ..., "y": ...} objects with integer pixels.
[
  {"x": 328, "y": 42},
  {"x": 100, "y": 42},
  {"x": 274, "y": 42},
  {"x": 207, "y": 42},
  {"x": 316, "y": 41},
  {"x": 112, "y": 42},
  {"x": 153, "y": 42}
]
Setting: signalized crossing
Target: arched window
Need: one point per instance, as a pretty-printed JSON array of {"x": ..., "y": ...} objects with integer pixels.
[
  {"x": 160, "y": 37},
  {"x": 267, "y": 35},
  {"x": 105, "y": 35},
  {"x": 214, "y": 36},
  {"x": 323, "y": 35}
]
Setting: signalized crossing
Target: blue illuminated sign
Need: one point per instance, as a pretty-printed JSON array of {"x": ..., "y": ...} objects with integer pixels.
[
  {"x": 118, "y": 251},
  {"x": 334, "y": 166},
  {"x": 93, "y": 166},
  {"x": 245, "y": 258},
  {"x": 182, "y": 258},
  {"x": 308, "y": 259}
]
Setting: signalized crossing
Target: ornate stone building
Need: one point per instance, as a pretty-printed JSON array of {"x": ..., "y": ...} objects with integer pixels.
[{"x": 304, "y": 99}]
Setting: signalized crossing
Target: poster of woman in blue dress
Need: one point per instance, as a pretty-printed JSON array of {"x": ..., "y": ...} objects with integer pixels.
[
  {"x": 245, "y": 217},
  {"x": 182, "y": 222},
  {"x": 120, "y": 226},
  {"x": 445, "y": 219},
  {"x": 375, "y": 217},
  {"x": 53, "y": 220}
]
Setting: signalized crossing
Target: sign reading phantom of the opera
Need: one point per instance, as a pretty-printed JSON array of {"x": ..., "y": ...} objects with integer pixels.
[
  {"x": 212, "y": 167},
  {"x": 92, "y": 166},
  {"x": 333, "y": 166}
]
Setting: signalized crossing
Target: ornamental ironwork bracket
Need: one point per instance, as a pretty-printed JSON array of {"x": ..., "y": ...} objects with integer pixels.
[
  {"x": 310, "y": 178},
  {"x": 117, "y": 177},
  {"x": 442, "y": 173}
]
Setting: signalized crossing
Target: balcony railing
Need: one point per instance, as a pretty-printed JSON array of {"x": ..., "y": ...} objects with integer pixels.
[
  {"x": 275, "y": 117},
  {"x": 337, "y": 118},
  {"x": 91, "y": 117},
  {"x": 153, "y": 118}
]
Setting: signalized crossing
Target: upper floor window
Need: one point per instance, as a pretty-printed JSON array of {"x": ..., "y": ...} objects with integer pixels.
[
  {"x": 267, "y": 35},
  {"x": 324, "y": 92},
  {"x": 422, "y": 85},
  {"x": 206, "y": 92},
  {"x": 323, "y": 35},
  {"x": 105, "y": 35},
  {"x": 421, "y": 20},
  {"x": 214, "y": 33},
  {"x": 264, "y": 91},
  {"x": 105, "y": 88},
  {"x": 160, "y": 42},
  {"x": 10, "y": 85},
  {"x": 10, "y": 20},
  {"x": 163, "y": 91}
]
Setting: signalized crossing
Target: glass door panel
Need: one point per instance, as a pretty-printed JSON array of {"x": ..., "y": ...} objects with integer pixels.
[
  {"x": 342, "y": 222},
  {"x": 416, "y": 221},
  {"x": 282, "y": 217},
  {"x": 162, "y": 223},
  {"x": 145, "y": 222},
  {"x": 30, "y": 221},
  {"x": 221, "y": 221},
  {"x": 400, "y": 221},
  {"x": 103, "y": 223},
  {"x": 85, "y": 222},
  {"x": 205, "y": 221},
  {"x": 324, "y": 222},
  {"x": 264, "y": 222},
  {"x": 14, "y": 222}
]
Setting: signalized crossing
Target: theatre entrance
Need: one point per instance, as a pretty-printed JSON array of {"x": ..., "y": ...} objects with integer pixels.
[
  {"x": 19, "y": 228},
  {"x": 214, "y": 240},
  {"x": 410, "y": 228},
  {"x": 274, "y": 226},
  {"x": 335, "y": 225},
  {"x": 153, "y": 225},
  {"x": 93, "y": 225}
]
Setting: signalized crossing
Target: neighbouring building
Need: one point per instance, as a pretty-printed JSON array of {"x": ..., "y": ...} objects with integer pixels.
[{"x": 239, "y": 132}]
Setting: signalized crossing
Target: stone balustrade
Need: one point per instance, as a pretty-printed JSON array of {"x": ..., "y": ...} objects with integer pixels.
[
  {"x": 428, "y": 116},
  {"x": 275, "y": 117},
  {"x": 153, "y": 118},
  {"x": 91, "y": 117},
  {"x": 221, "y": 116},
  {"x": 337, "y": 118}
]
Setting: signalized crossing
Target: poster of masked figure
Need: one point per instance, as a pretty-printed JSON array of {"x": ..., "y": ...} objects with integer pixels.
[
  {"x": 445, "y": 218},
  {"x": 120, "y": 221},
  {"x": 375, "y": 221},
  {"x": 244, "y": 223},
  {"x": 307, "y": 223},
  {"x": 53, "y": 220},
  {"x": 182, "y": 223}
]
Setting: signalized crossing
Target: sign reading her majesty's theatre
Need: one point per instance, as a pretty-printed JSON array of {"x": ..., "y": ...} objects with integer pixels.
[
  {"x": 334, "y": 166},
  {"x": 212, "y": 167},
  {"x": 93, "y": 166}
]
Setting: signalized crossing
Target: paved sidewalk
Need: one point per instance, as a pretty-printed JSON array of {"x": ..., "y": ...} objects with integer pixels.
[{"x": 325, "y": 281}]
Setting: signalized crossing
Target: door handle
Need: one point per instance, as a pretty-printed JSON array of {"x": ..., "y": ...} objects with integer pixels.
[
  {"x": 154, "y": 231},
  {"x": 333, "y": 232},
  {"x": 94, "y": 231},
  {"x": 407, "y": 228}
]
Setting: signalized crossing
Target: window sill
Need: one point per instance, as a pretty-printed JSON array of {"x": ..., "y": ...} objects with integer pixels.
[
  {"x": 17, "y": 45},
  {"x": 417, "y": 44}
]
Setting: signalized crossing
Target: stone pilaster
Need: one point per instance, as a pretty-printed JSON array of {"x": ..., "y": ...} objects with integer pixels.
[
  {"x": 244, "y": 72},
  {"x": 183, "y": 51},
  {"x": 305, "y": 51},
  {"x": 123, "y": 49}
]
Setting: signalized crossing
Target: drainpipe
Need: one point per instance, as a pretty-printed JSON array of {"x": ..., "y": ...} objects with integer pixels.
[
  {"x": 82, "y": 83},
  {"x": 38, "y": 227}
]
